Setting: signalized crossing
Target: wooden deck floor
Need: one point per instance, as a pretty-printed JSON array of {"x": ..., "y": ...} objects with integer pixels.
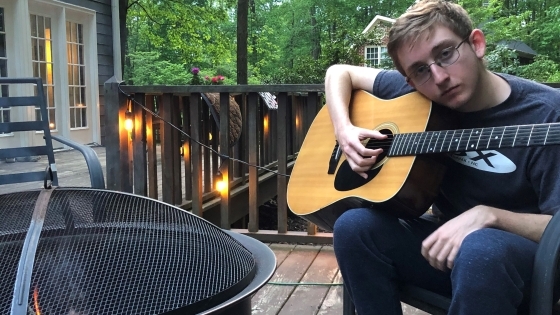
[{"x": 306, "y": 282}]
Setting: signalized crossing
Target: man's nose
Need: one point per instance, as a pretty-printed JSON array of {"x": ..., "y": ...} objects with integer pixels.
[{"x": 439, "y": 73}]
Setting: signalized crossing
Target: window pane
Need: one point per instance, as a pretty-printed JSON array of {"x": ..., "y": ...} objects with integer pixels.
[
  {"x": 76, "y": 75},
  {"x": 2, "y": 29},
  {"x": 2, "y": 45},
  {"x": 72, "y": 118},
  {"x": 42, "y": 60},
  {"x": 33, "y": 25}
]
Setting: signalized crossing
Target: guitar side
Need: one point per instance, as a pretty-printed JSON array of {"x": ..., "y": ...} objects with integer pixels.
[{"x": 405, "y": 185}]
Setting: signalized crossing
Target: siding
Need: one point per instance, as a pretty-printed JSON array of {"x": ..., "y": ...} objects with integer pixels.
[{"x": 104, "y": 48}]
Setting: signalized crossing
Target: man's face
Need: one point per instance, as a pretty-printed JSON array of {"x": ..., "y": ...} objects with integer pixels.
[{"x": 451, "y": 82}]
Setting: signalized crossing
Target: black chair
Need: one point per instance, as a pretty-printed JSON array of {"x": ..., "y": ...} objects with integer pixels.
[
  {"x": 40, "y": 124},
  {"x": 545, "y": 272}
]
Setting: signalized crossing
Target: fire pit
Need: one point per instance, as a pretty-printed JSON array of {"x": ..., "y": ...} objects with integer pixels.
[{"x": 87, "y": 251}]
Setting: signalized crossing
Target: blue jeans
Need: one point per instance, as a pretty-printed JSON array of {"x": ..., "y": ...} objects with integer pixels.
[{"x": 377, "y": 252}]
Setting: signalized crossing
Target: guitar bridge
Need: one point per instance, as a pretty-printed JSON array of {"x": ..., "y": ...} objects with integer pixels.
[{"x": 335, "y": 158}]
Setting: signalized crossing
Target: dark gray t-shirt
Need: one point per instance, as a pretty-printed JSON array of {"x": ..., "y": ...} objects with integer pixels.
[{"x": 517, "y": 179}]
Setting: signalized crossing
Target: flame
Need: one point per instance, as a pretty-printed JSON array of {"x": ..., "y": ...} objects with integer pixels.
[{"x": 36, "y": 301}]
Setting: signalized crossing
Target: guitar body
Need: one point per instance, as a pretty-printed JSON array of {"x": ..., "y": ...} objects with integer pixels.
[{"x": 405, "y": 185}]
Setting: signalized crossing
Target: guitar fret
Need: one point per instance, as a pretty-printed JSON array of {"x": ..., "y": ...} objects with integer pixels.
[
  {"x": 459, "y": 140},
  {"x": 433, "y": 149},
  {"x": 451, "y": 141},
  {"x": 490, "y": 138},
  {"x": 515, "y": 137},
  {"x": 530, "y": 135},
  {"x": 415, "y": 143},
  {"x": 538, "y": 135},
  {"x": 523, "y": 135},
  {"x": 546, "y": 136},
  {"x": 429, "y": 142},
  {"x": 394, "y": 145},
  {"x": 402, "y": 147},
  {"x": 507, "y": 139},
  {"x": 443, "y": 142},
  {"x": 423, "y": 142},
  {"x": 502, "y": 137}
]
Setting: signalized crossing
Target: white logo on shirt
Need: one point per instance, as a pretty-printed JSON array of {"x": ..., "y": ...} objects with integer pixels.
[{"x": 488, "y": 161}]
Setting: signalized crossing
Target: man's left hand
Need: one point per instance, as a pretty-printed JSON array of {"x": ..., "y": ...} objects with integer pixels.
[{"x": 441, "y": 247}]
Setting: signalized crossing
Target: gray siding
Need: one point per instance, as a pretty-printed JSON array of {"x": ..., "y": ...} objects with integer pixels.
[{"x": 104, "y": 47}]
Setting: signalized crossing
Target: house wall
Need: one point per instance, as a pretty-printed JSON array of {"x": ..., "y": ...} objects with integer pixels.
[
  {"x": 104, "y": 48},
  {"x": 380, "y": 29}
]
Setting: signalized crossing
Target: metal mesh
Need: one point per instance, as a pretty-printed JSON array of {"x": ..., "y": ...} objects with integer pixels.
[{"x": 103, "y": 252}]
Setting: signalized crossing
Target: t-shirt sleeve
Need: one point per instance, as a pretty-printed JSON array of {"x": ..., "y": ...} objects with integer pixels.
[{"x": 390, "y": 84}]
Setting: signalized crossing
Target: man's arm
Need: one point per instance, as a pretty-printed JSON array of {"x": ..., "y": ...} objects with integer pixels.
[
  {"x": 441, "y": 247},
  {"x": 340, "y": 81}
]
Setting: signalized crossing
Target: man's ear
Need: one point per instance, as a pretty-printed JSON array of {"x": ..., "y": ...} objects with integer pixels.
[{"x": 478, "y": 43}]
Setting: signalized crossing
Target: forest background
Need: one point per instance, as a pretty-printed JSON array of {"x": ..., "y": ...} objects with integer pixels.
[{"x": 295, "y": 41}]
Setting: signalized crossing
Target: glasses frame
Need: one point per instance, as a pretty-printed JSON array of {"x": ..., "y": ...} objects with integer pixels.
[{"x": 438, "y": 63}]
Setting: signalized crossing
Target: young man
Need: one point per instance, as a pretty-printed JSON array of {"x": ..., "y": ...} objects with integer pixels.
[{"x": 481, "y": 251}]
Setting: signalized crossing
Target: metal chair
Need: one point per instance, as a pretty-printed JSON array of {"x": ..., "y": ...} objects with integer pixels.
[
  {"x": 40, "y": 124},
  {"x": 543, "y": 297}
]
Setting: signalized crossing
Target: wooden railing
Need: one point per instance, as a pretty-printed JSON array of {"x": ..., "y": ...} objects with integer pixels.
[{"x": 188, "y": 161}]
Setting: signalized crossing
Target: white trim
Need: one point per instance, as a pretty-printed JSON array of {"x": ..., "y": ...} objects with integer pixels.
[
  {"x": 117, "y": 66},
  {"x": 66, "y": 5},
  {"x": 376, "y": 20}
]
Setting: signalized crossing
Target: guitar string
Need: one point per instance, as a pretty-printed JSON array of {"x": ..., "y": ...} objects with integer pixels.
[
  {"x": 222, "y": 156},
  {"x": 523, "y": 135}
]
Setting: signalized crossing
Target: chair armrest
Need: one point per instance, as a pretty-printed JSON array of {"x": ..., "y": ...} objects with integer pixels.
[
  {"x": 92, "y": 161},
  {"x": 544, "y": 270}
]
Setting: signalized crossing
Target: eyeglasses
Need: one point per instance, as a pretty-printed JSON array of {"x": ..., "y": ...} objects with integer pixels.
[{"x": 445, "y": 58}]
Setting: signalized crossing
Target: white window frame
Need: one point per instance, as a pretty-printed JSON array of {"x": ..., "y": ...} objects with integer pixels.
[
  {"x": 381, "y": 55},
  {"x": 17, "y": 21}
]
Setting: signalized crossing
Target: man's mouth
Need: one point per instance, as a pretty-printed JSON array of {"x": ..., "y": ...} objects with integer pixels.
[{"x": 448, "y": 91}]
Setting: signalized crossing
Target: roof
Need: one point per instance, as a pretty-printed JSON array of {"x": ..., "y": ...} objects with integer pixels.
[
  {"x": 376, "y": 20},
  {"x": 520, "y": 47}
]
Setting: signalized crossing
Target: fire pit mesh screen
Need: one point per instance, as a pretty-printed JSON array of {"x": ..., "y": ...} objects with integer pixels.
[{"x": 103, "y": 252}]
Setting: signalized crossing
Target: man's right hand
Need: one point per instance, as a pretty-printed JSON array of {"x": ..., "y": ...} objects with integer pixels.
[
  {"x": 340, "y": 81},
  {"x": 360, "y": 158}
]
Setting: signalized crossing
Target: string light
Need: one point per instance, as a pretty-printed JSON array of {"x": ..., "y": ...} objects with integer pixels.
[
  {"x": 220, "y": 183},
  {"x": 128, "y": 123}
]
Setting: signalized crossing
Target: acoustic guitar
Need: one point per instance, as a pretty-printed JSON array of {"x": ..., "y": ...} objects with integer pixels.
[{"x": 406, "y": 177}]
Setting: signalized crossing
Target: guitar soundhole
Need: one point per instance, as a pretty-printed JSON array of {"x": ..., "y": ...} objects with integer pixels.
[{"x": 346, "y": 179}]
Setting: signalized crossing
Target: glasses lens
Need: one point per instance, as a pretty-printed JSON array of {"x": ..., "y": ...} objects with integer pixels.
[
  {"x": 421, "y": 74},
  {"x": 448, "y": 56}
]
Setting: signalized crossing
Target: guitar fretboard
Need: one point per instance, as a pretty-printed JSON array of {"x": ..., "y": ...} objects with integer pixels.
[{"x": 474, "y": 139}]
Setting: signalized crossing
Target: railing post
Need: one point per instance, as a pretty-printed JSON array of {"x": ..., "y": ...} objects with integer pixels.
[
  {"x": 139, "y": 147},
  {"x": 282, "y": 182},
  {"x": 252, "y": 131},
  {"x": 166, "y": 145},
  {"x": 151, "y": 147},
  {"x": 196, "y": 155},
  {"x": 225, "y": 166},
  {"x": 116, "y": 137}
]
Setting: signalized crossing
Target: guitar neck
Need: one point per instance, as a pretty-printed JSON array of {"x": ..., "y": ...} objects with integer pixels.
[{"x": 489, "y": 138}]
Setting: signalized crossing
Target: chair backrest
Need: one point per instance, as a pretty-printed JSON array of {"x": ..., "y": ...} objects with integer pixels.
[{"x": 34, "y": 124}]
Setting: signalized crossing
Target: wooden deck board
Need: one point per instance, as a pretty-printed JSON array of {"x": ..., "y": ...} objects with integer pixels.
[
  {"x": 272, "y": 297},
  {"x": 333, "y": 301},
  {"x": 322, "y": 270}
]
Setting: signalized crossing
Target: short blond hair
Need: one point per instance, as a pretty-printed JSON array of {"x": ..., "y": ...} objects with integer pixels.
[{"x": 424, "y": 16}]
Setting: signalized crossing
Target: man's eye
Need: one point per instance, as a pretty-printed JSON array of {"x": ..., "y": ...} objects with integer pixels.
[
  {"x": 421, "y": 70},
  {"x": 446, "y": 53}
]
